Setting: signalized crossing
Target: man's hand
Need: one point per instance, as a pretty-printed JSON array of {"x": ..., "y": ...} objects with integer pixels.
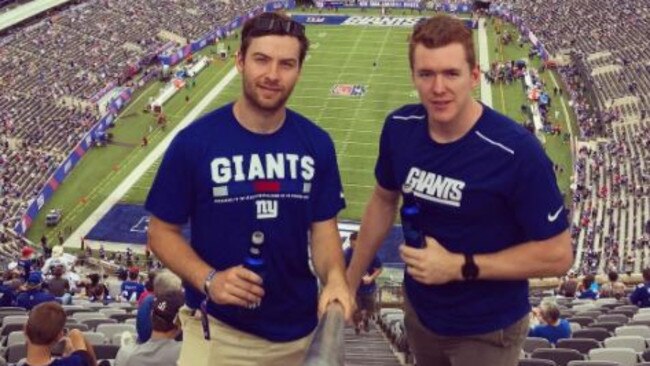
[
  {"x": 337, "y": 291},
  {"x": 432, "y": 265},
  {"x": 237, "y": 286},
  {"x": 366, "y": 280}
]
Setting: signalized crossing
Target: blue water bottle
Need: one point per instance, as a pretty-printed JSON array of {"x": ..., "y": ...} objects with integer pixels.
[
  {"x": 254, "y": 260},
  {"x": 413, "y": 236}
]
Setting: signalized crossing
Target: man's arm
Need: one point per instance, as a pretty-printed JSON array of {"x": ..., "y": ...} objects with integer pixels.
[
  {"x": 327, "y": 256},
  {"x": 436, "y": 265},
  {"x": 79, "y": 343},
  {"x": 375, "y": 224},
  {"x": 236, "y": 285}
]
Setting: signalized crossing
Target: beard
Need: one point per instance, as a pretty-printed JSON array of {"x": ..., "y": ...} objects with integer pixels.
[{"x": 253, "y": 95}]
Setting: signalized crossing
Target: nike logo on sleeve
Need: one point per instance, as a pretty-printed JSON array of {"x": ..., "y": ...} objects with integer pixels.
[{"x": 553, "y": 217}]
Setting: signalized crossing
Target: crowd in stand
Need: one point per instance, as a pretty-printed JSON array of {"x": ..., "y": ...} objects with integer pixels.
[
  {"x": 126, "y": 318},
  {"x": 607, "y": 83},
  {"x": 51, "y": 69}
]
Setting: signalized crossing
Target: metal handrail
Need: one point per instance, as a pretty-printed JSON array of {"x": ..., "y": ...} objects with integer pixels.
[{"x": 326, "y": 348}]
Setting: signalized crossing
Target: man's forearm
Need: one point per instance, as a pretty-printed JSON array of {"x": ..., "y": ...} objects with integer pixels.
[
  {"x": 375, "y": 224},
  {"x": 327, "y": 253},
  {"x": 177, "y": 254},
  {"x": 552, "y": 257}
]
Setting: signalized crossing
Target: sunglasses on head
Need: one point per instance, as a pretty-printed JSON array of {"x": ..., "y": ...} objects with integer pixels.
[{"x": 272, "y": 24}]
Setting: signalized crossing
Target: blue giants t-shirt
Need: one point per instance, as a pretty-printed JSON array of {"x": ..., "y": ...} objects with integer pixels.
[
  {"x": 230, "y": 182},
  {"x": 491, "y": 189}
]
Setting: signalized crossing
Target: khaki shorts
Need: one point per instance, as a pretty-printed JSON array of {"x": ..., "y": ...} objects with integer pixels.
[{"x": 231, "y": 347}]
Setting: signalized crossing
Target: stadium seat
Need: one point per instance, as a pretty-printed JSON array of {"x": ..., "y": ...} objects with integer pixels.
[
  {"x": 93, "y": 323},
  {"x": 599, "y": 334},
  {"x": 637, "y": 343},
  {"x": 111, "y": 329},
  {"x": 110, "y": 311},
  {"x": 533, "y": 343},
  {"x": 95, "y": 338},
  {"x": 609, "y": 326},
  {"x": 15, "y": 319},
  {"x": 17, "y": 337},
  {"x": 7, "y": 329},
  {"x": 121, "y": 318},
  {"x": 593, "y": 363},
  {"x": 582, "y": 320},
  {"x": 535, "y": 362},
  {"x": 81, "y": 327},
  {"x": 638, "y": 330},
  {"x": 561, "y": 356},
  {"x": 106, "y": 351},
  {"x": 582, "y": 345},
  {"x": 15, "y": 353},
  {"x": 613, "y": 318},
  {"x": 624, "y": 356},
  {"x": 81, "y": 316}
]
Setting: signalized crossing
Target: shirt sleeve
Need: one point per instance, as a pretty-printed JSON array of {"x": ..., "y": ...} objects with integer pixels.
[
  {"x": 384, "y": 172},
  {"x": 327, "y": 196},
  {"x": 536, "y": 199},
  {"x": 170, "y": 197},
  {"x": 80, "y": 358}
]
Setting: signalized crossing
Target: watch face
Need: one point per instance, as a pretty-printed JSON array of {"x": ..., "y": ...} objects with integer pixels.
[{"x": 470, "y": 269}]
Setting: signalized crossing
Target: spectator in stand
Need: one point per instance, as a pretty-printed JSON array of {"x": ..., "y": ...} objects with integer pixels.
[
  {"x": 568, "y": 285},
  {"x": 614, "y": 288},
  {"x": 165, "y": 282},
  {"x": 161, "y": 349},
  {"x": 367, "y": 292},
  {"x": 34, "y": 294},
  {"x": 25, "y": 261},
  {"x": 641, "y": 295},
  {"x": 44, "y": 329},
  {"x": 586, "y": 290},
  {"x": 132, "y": 288},
  {"x": 148, "y": 287},
  {"x": 550, "y": 326},
  {"x": 115, "y": 283},
  {"x": 95, "y": 290},
  {"x": 59, "y": 286}
]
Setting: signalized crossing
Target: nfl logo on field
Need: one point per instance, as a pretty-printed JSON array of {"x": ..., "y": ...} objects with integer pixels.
[{"x": 348, "y": 90}]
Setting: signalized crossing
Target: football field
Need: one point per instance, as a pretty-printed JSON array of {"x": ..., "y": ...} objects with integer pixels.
[{"x": 352, "y": 78}]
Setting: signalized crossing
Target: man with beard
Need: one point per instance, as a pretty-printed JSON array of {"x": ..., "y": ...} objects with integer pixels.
[{"x": 253, "y": 178}]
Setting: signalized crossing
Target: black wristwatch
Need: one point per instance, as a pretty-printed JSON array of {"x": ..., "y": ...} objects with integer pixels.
[{"x": 469, "y": 269}]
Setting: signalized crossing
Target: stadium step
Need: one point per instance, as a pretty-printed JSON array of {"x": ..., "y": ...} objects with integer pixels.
[{"x": 368, "y": 349}]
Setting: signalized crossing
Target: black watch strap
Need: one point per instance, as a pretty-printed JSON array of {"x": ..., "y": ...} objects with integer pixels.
[{"x": 470, "y": 269}]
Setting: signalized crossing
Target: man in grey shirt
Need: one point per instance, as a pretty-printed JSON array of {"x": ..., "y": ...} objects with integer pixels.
[{"x": 161, "y": 349}]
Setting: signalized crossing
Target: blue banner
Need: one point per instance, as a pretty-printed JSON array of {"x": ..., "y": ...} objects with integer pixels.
[{"x": 320, "y": 19}]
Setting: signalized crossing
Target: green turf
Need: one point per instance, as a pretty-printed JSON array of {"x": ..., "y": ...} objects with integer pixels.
[
  {"x": 339, "y": 55},
  {"x": 509, "y": 98}
]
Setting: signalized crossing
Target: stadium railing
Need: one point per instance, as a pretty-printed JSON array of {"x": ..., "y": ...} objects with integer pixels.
[{"x": 326, "y": 349}]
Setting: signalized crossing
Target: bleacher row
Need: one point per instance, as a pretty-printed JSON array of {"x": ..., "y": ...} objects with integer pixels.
[
  {"x": 102, "y": 325},
  {"x": 608, "y": 34},
  {"x": 49, "y": 70},
  {"x": 612, "y": 200}
]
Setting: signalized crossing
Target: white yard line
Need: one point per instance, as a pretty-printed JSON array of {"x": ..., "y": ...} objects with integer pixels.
[
  {"x": 486, "y": 89},
  {"x": 141, "y": 169}
]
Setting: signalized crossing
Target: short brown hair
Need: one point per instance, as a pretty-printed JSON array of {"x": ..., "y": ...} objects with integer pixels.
[
  {"x": 273, "y": 24},
  {"x": 45, "y": 323},
  {"x": 440, "y": 31}
]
